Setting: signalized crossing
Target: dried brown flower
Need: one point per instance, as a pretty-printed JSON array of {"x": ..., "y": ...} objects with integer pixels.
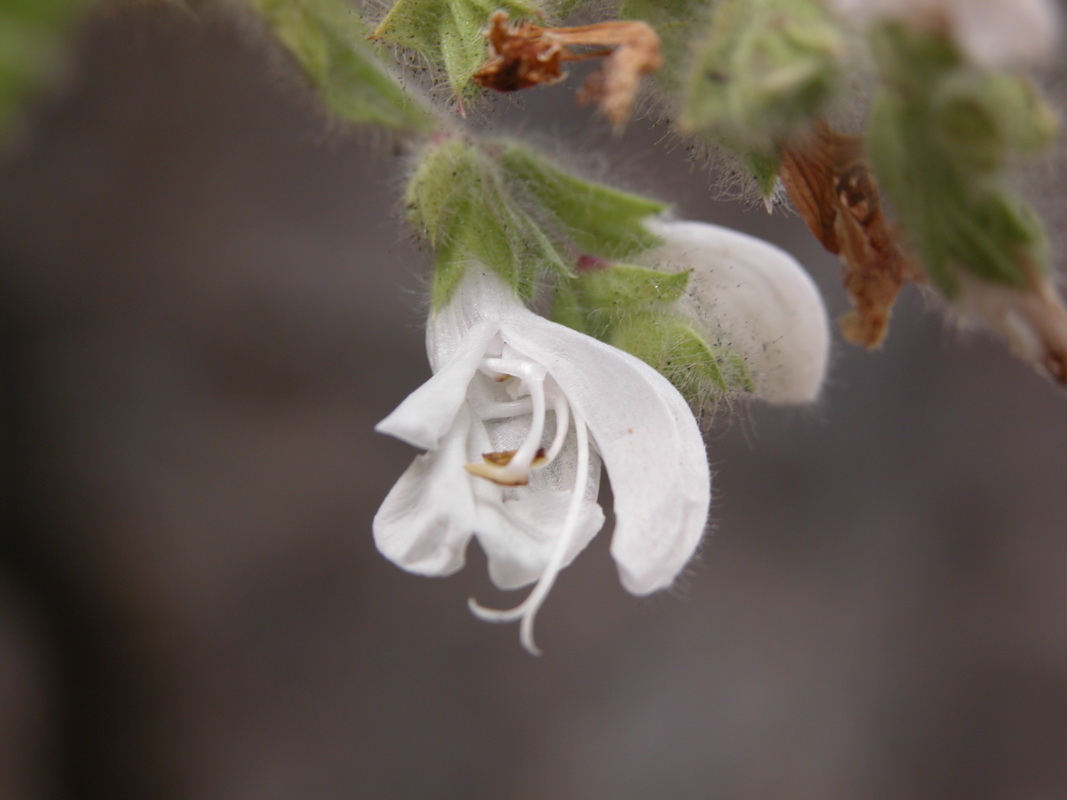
[
  {"x": 829, "y": 181},
  {"x": 523, "y": 55}
]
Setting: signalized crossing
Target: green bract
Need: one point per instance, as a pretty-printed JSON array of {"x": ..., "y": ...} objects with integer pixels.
[
  {"x": 673, "y": 346},
  {"x": 765, "y": 68},
  {"x": 597, "y": 301},
  {"x": 941, "y": 133},
  {"x": 633, "y": 308},
  {"x": 460, "y": 198},
  {"x": 501, "y": 205},
  {"x": 598, "y": 219},
  {"x": 449, "y": 34},
  {"x": 329, "y": 43}
]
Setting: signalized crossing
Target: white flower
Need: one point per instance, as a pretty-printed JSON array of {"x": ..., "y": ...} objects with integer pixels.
[
  {"x": 515, "y": 421},
  {"x": 992, "y": 33},
  {"x": 751, "y": 299}
]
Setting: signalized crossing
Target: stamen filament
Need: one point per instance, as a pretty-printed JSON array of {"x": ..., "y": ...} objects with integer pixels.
[
  {"x": 516, "y": 471},
  {"x": 528, "y": 449},
  {"x": 493, "y": 410},
  {"x": 562, "y": 410},
  {"x": 527, "y": 610},
  {"x": 526, "y": 370}
]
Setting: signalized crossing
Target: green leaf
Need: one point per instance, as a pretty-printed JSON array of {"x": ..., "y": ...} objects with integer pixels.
[
  {"x": 633, "y": 309},
  {"x": 764, "y": 170},
  {"x": 449, "y": 34},
  {"x": 328, "y": 41},
  {"x": 600, "y": 220}
]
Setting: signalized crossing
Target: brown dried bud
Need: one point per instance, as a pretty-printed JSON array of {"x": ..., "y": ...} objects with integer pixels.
[{"x": 829, "y": 181}]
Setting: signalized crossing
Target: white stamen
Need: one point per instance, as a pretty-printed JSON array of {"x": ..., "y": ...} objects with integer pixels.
[
  {"x": 505, "y": 409},
  {"x": 528, "y": 608},
  {"x": 516, "y": 471},
  {"x": 562, "y": 411},
  {"x": 507, "y": 367}
]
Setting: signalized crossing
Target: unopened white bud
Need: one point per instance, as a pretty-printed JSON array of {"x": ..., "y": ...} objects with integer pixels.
[{"x": 752, "y": 300}]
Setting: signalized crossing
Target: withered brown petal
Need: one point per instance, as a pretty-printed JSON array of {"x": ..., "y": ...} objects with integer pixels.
[
  {"x": 829, "y": 181},
  {"x": 524, "y": 55}
]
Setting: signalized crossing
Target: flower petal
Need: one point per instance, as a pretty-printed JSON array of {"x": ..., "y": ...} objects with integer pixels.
[
  {"x": 429, "y": 515},
  {"x": 520, "y": 535},
  {"x": 647, "y": 437},
  {"x": 754, "y": 299},
  {"x": 481, "y": 297},
  {"x": 427, "y": 414}
]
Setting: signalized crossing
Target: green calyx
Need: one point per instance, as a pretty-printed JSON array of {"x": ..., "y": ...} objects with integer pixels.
[
  {"x": 597, "y": 219},
  {"x": 449, "y": 34},
  {"x": 328, "y": 41},
  {"x": 596, "y": 301},
  {"x": 941, "y": 134},
  {"x": 634, "y": 309},
  {"x": 499, "y": 204},
  {"x": 765, "y": 69},
  {"x": 460, "y": 198}
]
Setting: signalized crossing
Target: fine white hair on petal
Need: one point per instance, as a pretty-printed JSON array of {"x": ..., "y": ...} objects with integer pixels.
[
  {"x": 992, "y": 33},
  {"x": 753, "y": 300}
]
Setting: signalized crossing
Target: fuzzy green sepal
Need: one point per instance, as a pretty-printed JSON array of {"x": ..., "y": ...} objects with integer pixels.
[
  {"x": 675, "y": 348},
  {"x": 499, "y": 204},
  {"x": 597, "y": 301},
  {"x": 460, "y": 198},
  {"x": 598, "y": 219}
]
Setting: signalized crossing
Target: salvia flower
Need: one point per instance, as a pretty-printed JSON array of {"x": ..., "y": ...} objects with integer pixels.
[
  {"x": 516, "y": 421},
  {"x": 750, "y": 299}
]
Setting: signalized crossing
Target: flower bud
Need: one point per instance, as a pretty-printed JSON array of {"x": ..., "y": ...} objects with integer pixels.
[
  {"x": 752, "y": 300},
  {"x": 765, "y": 69}
]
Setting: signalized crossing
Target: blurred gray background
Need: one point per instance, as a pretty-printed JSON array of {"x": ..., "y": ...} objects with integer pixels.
[{"x": 207, "y": 303}]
